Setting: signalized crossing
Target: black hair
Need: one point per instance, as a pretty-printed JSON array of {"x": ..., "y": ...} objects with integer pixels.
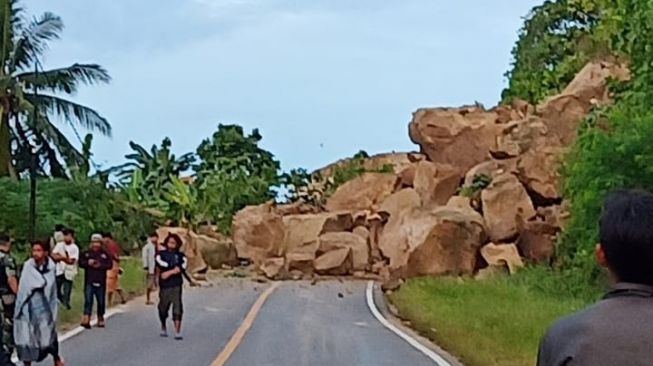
[
  {"x": 59, "y": 227},
  {"x": 626, "y": 235},
  {"x": 176, "y": 237},
  {"x": 44, "y": 244},
  {"x": 4, "y": 239},
  {"x": 68, "y": 231},
  {"x": 107, "y": 235},
  {"x": 153, "y": 234}
]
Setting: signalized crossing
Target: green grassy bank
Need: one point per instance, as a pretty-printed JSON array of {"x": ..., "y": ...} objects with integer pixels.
[{"x": 484, "y": 323}]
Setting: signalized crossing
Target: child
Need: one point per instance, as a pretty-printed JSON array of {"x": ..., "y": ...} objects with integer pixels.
[{"x": 172, "y": 266}]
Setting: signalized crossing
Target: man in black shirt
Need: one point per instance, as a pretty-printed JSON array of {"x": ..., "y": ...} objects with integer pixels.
[
  {"x": 172, "y": 266},
  {"x": 96, "y": 262},
  {"x": 617, "y": 330}
]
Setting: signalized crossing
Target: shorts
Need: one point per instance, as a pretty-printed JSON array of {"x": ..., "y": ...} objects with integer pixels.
[{"x": 150, "y": 281}]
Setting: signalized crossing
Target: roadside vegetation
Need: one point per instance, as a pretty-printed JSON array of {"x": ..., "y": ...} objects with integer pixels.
[
  {"x": 495, "y": 323},
  {"x": 500, "y": 322}
]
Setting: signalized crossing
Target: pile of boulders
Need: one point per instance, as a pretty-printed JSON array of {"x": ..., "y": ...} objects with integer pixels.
[{"x": 482, "y": 195}]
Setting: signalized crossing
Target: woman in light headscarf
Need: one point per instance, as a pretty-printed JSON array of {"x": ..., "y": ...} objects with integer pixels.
[{"x": 35, "y": 329}]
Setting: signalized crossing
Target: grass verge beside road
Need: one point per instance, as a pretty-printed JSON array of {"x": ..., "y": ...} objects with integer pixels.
[
  {"x": 132, "y": 282},
  {"x": 484, "y": 323}
]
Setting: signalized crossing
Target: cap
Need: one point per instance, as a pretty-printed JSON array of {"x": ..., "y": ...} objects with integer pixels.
[{"x": 96, "y": 237}]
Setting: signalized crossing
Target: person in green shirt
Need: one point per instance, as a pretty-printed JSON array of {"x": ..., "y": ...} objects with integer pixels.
[{"x": 8, "y": 291}]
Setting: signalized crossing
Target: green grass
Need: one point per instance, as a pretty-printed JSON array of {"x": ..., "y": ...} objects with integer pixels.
[
  {"x": 497, "y": 322},
  {"x": 132, "y": 281}
]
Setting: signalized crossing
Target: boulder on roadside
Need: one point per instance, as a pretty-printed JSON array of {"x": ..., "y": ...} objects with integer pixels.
[
  {"x": 363, "y": 232},
  {"x": 337, "y": 262},
  {"x": 273, "y": 267},
  {"x": 436, "y": 183},
  {"x": 216, "y": 250},
  {"x": 461, "y": 137},
  {"x": 537, "y": 241},
  {"x": 491, "y": 169},
  {"x": 435, "y": 241},
  {"x": 502, "y": 255},
  {"x": 563, "y": 112},
  {"x": 539, "y": 170},
  {"x": 362, "y": 192},
  {"x": 505, "y": 200},
  {"x": 258, "y": 233},
  {"x": 360, "y": 251}
]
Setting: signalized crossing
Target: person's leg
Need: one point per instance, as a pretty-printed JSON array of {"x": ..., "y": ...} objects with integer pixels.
[
  {"x": 121, "y": 293},
  {"x": 67, "y": 288},
  {"x": 177, "y": 310},
  {"x": 101, "y": 304},
  {"x": 164, "y": 308},
  {"x": 59, "y": 281},
  {"x": 88, "y": 305}
]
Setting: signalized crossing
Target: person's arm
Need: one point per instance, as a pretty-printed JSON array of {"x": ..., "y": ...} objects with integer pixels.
[
  {"x": 165, "y": 269},
  {"x": 83, "y": 260},
  {"x": 12, "y": 277},
  {"x": 106, "y": 263},
  {"x": 145, "y": 256}
]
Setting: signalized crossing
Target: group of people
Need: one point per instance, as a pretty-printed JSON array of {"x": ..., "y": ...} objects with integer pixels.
[{"x": 30, "y": 300}]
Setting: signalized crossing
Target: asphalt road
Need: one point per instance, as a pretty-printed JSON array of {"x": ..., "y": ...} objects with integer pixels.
[{"x": 300, "y": 324}]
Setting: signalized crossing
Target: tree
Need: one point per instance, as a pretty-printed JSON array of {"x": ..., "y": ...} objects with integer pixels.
[
  {"x": 554, "y": 43},
  {"x": 29, "y": 95},
  {"x": 233, "y": 172},
  {"x": 149, "y": 172}
]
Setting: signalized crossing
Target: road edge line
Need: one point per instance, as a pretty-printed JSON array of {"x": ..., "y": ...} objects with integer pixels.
[
  {"x": 369, "y": 295},
  {"x": 247, "y": 323},
  {"x": 79, "y": 329}
]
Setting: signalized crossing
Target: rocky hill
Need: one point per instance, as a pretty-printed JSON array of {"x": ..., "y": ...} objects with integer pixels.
[{"x": 482, "y": 193}]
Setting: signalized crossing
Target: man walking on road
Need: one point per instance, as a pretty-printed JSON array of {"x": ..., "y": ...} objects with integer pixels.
[
  {"x": 8, "y": 291},
  {"x": 149, "y": 265},
  {"x": 617, "y": 330},
  {"x": 172, "y": 266},
  {"x": 66, "y": 254},
  {"x": 96, "y": 262}
]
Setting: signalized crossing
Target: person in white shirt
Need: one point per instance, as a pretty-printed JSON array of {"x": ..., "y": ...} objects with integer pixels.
[
  {"x": 66, "y": 254},
  {"x": 149, "y": 264}
]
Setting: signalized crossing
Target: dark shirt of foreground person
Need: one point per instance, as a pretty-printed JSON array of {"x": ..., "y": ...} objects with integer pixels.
[{"x": 618, "y": 330}]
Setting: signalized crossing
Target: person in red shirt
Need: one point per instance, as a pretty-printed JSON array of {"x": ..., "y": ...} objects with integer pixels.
[{"x": 113, "y": 275}]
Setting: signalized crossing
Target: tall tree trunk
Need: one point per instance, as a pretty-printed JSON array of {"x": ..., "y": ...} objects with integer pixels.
[{"x": 5, "y": 144}]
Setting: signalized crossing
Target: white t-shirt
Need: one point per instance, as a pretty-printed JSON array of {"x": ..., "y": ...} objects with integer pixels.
[{"x": 70, "y": 251}]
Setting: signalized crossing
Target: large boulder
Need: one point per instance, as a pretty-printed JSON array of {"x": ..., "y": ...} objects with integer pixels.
[
  {"x": 461, "y": 137},
  {"x": 505, "y": 201},
  {"x": 539, "y": 170},
  {"x": 258, "y": 233},
  {"x": 336, "y": 262},
  {"x": 273, "y": 268},
  {"x": 433, "y": 241},
  {"x": 563, "y": 113},
  {"x": 360, "y": 251},
  {"x": 502, "y": 255},
  {"x": 304, "y": 230},
  {"x": 216, "y": 250},
  {"x": 362, "y": 192},
  {"x": 490, "y": 168},
  {"x": 396, "y": 161},
  {"x": 537, "y": 241},
  {"x": 436, "y": 183}
]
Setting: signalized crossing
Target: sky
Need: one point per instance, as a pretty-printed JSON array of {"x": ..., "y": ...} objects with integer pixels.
[{"x": 321, "y": 79}]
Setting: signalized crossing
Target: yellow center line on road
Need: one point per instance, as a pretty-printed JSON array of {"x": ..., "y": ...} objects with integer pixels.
[{"x": 237, "y": 338}]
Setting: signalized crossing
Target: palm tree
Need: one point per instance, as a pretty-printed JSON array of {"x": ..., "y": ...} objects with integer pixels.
[{"x": 30, "y": 96}]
